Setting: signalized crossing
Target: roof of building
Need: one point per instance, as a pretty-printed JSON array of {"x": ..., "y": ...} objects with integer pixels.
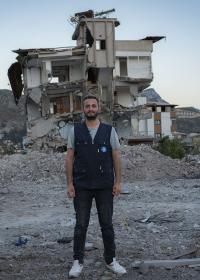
[
  {"x": 85, "y": 20},
  {"x": 45, "y": 50},
  {"x": 154, "y": 39},
  {"x": 160, "y": 104}
]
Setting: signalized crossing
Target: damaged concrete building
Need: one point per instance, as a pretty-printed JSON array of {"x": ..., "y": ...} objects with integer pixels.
[
  {"x": 55, "y": 80},
  {"x": 132, "y": 74}
]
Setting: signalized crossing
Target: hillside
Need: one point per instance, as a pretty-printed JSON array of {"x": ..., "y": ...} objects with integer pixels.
[
  {"x": 12, "y": 117},
  {"x": 188, "y": 125},
  {"x": 152, "y": 96},
  {"x": 191, "y": 109}
]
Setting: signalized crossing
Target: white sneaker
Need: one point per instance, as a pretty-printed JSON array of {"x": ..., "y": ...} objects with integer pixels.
[
  {"x": 76, "y": 269},
  {"x": 116, "y": 267}
]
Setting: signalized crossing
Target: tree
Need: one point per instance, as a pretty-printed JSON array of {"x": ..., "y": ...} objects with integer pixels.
[{"x": 171, "y": 147}]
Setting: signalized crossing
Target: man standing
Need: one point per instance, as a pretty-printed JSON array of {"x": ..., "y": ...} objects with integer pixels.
[{"x": 93, "y": 171}]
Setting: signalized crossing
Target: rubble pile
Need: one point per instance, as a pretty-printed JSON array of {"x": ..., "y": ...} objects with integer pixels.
[
  {"x": 159, "y": 219},
  {"x": 193, "y": 158},
  {"x": 34, "y": 166},
  {"x": 143, "y": 162},
  {"x": 138, "y": 162}
]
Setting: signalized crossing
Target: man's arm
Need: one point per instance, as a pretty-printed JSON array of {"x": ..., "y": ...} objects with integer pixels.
[
  {"x": 117, "y": 170},
  {"x": 69, "y": 172}
]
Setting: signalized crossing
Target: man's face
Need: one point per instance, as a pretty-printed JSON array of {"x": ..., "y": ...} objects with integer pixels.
[{"x": 90, "y": 109}]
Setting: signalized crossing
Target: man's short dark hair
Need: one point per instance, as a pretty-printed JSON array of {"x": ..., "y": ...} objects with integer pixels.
[{"x": 91, "y": 96}]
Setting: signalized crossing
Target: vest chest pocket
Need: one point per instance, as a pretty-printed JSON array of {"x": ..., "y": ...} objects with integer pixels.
[
  {"x": 103, "y": 150},
  {"x": 81, "y": 143}
]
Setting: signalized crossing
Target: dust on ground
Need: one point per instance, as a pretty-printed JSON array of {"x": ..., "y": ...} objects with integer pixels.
[{"x": 155, "y": 217}]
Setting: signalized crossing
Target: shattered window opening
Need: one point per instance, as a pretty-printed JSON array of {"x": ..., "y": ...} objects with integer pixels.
[
  {"x": 157, "y": 122},
  {"x": 134, "y": 57},
  {"x": 53, "y": 80},
  {"x": 60, "y": 73},
  {"x": 173, "y": 122},
  {"x": 100, "y": 45},
  {"x": 93, "y": 75},
  {"x": 89, "y": 38},
  {"x": 76, "y": 103},
  {"x": 60, "y": 105},
  {"x": 158, "y": 135},
  {"x": 123, "y": 66}
]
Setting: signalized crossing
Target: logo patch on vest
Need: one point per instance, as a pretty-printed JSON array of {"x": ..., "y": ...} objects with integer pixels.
[{"x": 103, "y": 149}]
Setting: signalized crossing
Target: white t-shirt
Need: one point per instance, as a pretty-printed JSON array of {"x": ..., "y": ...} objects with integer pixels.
[{"x": 114, "y": 140}]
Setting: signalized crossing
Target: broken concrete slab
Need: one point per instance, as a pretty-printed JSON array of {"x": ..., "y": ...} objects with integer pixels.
[
  {"x": 33, "y": 112},
  {"x": 64, "y": 240},
  {"x": 35, "y": 94},
  {"x": 188, "y": 253},
  {"x": 42, "y": 127},
  {"x": 169, "y": 264}
]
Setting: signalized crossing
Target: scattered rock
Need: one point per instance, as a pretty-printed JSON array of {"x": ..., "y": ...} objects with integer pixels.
[{"x": 65, "y": 240}]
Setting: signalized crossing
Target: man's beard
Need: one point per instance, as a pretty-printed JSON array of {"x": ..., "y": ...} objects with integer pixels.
[{"x": 91, "y": 118}]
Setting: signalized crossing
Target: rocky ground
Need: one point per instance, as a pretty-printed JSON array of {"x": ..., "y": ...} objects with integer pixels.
[{"x": 155, "y": 217}]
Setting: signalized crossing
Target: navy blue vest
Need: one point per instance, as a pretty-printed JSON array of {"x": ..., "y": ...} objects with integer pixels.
[{"x": 93, "y": 163}]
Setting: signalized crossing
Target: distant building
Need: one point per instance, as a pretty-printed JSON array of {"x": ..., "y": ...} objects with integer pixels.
[
  {"x": 187, "y": 112},
  {"x": 161, "y": 122}
]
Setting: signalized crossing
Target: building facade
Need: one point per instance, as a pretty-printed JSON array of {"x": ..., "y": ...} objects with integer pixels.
[{"x": 160, "y": 122}]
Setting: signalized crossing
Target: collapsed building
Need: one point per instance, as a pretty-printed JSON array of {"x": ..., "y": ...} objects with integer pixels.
[{"x": 54, "y": 80}]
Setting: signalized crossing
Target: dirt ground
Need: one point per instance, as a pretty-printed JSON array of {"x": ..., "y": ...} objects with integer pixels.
[{"x": 156, "y": 218}]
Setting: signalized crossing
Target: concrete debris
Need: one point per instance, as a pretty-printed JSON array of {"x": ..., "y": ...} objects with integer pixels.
[
  {"x": 64, "y": 240},
  {"x": 147, "y": 218},
  {"x": 193, "y": 158},
  {"x": 188, "y": 253},
  {"x": 169, "y": 264},
  {"x": 161, "y": 218},
  {"x": 138, "y": 162},
  {"x": 31, "y": 167},
  {"x": 142, "y": 162},
  {"x": 154, "y": 220},
  {"x": 90, "y": 246}
]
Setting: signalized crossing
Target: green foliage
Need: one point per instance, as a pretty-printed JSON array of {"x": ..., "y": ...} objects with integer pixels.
[{"x": 173, "y": 148}]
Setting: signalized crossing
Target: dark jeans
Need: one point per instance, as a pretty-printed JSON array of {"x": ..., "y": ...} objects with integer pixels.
[{"x": 82, "y": 206}]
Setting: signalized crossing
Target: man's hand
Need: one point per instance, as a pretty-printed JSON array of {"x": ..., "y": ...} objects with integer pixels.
[
  {"x": 116, "y": 189},
  {"x": 69, "y": 172},
  {"x": 117, "y": 169},
  {"x": 70, "y": 191}
]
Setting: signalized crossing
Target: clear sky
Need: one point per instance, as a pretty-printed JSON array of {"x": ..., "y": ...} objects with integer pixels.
[{"x": 175, "y": 61}]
